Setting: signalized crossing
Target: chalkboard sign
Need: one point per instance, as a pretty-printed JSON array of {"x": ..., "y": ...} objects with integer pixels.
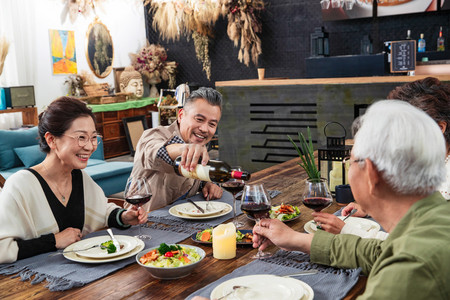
[{"x": 403, "y": 56}]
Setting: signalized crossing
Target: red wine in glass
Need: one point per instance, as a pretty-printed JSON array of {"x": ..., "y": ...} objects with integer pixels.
[
  {"x": 233, "y": 187},
  {"x": 138, "y": 199},
  {"x": 256, "y": 210},
  {"x": 317, "y": 203}
]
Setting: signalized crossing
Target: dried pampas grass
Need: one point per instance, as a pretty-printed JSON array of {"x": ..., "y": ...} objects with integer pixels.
[{"x": 4, "y": 47}]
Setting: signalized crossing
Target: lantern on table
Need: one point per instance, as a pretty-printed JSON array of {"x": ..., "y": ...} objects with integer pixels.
[{"x": 330, "y": 158}]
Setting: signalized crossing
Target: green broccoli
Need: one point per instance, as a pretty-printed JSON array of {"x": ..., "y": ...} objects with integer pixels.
[{"x": 108, "y": 246}]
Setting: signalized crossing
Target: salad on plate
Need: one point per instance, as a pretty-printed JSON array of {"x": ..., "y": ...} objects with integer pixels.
[
  {"x": 242, "y": 236},
  {"x": 284, "y": 212}
]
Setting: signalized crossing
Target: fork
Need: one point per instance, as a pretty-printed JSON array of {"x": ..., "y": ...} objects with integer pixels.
[
  {"x": 235, "y": 287},
  {"x": 207, "y": 202},
  {"x": 70, "y": 251},
  {"x": 350, "y": 214}
]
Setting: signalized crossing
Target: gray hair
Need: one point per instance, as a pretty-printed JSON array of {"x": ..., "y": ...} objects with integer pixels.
[
  {"x": 405, "y": 144},
  {"x": 212, "y": 96}
]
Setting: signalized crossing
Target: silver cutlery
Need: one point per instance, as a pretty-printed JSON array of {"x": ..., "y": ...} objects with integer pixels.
[
  {"x": 198, "y": 207},
  {"x": 70, "y": 251},
  {"x": 207, "y": 202},
  {"x": 350, "y": 214},
  {"x": 232, "y": 291},
  {"x": 114, "y": 240},
  {"x": 307, "y": 272}
]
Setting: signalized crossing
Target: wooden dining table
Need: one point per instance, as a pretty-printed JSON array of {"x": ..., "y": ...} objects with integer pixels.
[{"x": 134, "y": 282}]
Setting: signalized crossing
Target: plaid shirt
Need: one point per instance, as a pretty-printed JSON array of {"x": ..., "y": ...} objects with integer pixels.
[{"x": 162, "y": 152}]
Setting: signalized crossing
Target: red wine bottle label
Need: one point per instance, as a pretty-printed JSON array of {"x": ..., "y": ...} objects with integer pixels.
[
  {"x": 201, "y": 172},
  {"x": 236, "y": 174}
]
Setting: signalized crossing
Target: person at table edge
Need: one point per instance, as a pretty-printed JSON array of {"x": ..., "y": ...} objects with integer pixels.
[
  {"x": 433, "y": 97},
  {"x": 397, "y": 164},
  {"x": 53, "y": 204},
  {"x": 158, "y": 147}
]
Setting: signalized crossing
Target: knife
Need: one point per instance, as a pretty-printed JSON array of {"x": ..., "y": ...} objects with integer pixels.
[
  {"x": 307, "y": 272},
  {"x": 115, "y": 242},
  {"x": 198, "y": 207}
]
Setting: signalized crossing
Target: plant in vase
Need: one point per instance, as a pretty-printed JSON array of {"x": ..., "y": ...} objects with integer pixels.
[
  {"x": 316, "y": 195},
  {"x": 151, "y": 61}
]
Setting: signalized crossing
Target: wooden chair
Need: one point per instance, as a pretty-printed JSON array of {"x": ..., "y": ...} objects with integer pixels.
[
  {"x": 2, "y": 181},
  {"x": 117, "y": 201}
]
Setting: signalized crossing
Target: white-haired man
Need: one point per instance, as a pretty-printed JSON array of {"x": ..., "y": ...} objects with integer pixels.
[{"x": 397, "y": 165}]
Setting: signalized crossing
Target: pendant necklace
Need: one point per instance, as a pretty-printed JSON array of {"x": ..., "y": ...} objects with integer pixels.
[{"x": 63, "y": 199}]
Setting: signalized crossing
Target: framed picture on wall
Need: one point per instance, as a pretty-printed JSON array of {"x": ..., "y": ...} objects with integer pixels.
[
  {"x": 62, "y": 46},
  {"x": 334, "y": 10},
  {"x": 398, "y": 7},
  {"x": 99, "y": 49}
]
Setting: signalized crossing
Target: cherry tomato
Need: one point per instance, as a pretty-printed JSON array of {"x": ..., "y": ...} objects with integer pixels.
[{"x": 168, "y": 254}]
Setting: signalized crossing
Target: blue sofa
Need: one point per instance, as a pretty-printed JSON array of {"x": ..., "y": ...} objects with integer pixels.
[{"x": 19, "y": 149}]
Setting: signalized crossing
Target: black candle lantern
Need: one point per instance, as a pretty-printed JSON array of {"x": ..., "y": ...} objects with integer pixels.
[
  {"x": 319, "y": 42},
  {"x": 331, "y": 166}
]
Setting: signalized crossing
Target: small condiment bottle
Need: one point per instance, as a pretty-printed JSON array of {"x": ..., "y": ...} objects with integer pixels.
[{"x": 224, "y": 241}]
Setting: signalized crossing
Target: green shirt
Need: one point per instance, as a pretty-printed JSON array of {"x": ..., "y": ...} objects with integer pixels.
[{"x": 412, "y": 263}]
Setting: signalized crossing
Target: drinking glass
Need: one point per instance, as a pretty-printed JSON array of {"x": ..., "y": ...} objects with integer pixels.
[
  {"x": 316, "y": 195},
  {"x": 138, "y": 193},
  {"x": 255, "y": 203},
  {"x": 234, "y": 186}
]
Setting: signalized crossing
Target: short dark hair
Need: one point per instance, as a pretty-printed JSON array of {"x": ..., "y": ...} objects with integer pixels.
[
  {"x": 58, "y": 117},
  {"x": 430, "y": 95},
  {"x": 212, "y": 96}
]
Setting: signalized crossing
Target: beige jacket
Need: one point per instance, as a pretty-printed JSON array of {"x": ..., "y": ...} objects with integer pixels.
[{"x": 165, "y": 184}]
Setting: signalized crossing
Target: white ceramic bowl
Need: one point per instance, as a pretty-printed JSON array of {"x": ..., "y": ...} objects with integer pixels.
[{"x": 171, "y": 273}]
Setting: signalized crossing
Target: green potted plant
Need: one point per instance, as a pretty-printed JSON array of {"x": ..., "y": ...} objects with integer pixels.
[{"x": 316, "y": 195}]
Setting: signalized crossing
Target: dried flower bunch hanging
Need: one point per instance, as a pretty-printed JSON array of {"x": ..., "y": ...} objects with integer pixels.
[
  {"x": 243, "y": 26},
  {"x": 173, "y": 19},
  {"x": 4, "y": 47},
  {"x": 151, "y": 61}
]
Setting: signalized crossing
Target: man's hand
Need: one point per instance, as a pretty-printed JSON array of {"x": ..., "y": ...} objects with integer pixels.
[
  {"x": 190, "y": 154},
  {"x": 274, "y": 232},
  {"x": 214, "y": 191}
]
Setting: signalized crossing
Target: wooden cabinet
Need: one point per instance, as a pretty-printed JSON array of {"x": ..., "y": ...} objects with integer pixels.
[
  {"x": 29, "y": 114},
  {"x": 110, "y": 126}
]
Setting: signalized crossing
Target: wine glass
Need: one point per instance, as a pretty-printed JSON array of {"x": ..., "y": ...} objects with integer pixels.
[
  {"x": 255, "y": 203},
  {"x": 137, "y": 193},
  {"x": 316, "y": 195},
  {"x": 234, "y": 186}
]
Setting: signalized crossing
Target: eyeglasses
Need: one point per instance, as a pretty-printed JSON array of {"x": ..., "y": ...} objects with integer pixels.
[
  {"x": 83, "y": 139},
  {"x": 350, "y": 161}
]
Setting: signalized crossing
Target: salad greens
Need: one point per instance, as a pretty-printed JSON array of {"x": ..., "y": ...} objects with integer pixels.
[
  {"x": 206, "y": 236},
  {"x": 109, "y": 246},
  {"x": 284, "y": 212},
  {"x": 170, "y": 256}
]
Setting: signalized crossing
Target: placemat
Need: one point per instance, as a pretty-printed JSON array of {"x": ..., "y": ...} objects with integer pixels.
[
  {"x": 328, "y": 284},
  {"x": 62, "y": 274}
]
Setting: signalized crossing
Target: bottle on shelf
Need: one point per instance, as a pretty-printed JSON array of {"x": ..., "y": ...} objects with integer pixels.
[
  {"x": 216, "y": 171},
  {"x": 421, "y": 44},
  {"x": 440, "y": 41},
  {"x": 408, "y": 35}
]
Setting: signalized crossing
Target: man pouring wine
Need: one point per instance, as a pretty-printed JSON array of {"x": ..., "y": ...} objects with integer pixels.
[{"x": 159, "y": 147}]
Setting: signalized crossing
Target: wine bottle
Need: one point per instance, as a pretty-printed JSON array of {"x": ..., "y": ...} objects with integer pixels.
[
  {"x": 421, "y": 45},
  {"x": 440, "y": 41},
  {"x": 217, "y": 171}
]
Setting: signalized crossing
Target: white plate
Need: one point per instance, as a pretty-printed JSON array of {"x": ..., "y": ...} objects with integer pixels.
[
  {"x": 264, "y": 287},
  {"x": 362, "y": 223},
  {"x": 77, "y": 258},
  {"x": 190, "y": 210},
  {"x": 174, "y": 212},
  {"x": 127, "y": 244}
]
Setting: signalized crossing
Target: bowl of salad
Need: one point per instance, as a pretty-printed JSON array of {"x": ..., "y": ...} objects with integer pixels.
[{"x": 170, "y": 261}]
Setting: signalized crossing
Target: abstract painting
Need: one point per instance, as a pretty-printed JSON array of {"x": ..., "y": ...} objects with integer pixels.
[{"x": 62, "y": 44}]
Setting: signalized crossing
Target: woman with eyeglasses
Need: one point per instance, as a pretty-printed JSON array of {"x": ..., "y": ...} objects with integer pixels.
[{"x": 53, "y": 204}]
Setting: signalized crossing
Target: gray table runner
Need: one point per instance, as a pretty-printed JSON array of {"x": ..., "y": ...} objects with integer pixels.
[{"x": 328, "y": 284}]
